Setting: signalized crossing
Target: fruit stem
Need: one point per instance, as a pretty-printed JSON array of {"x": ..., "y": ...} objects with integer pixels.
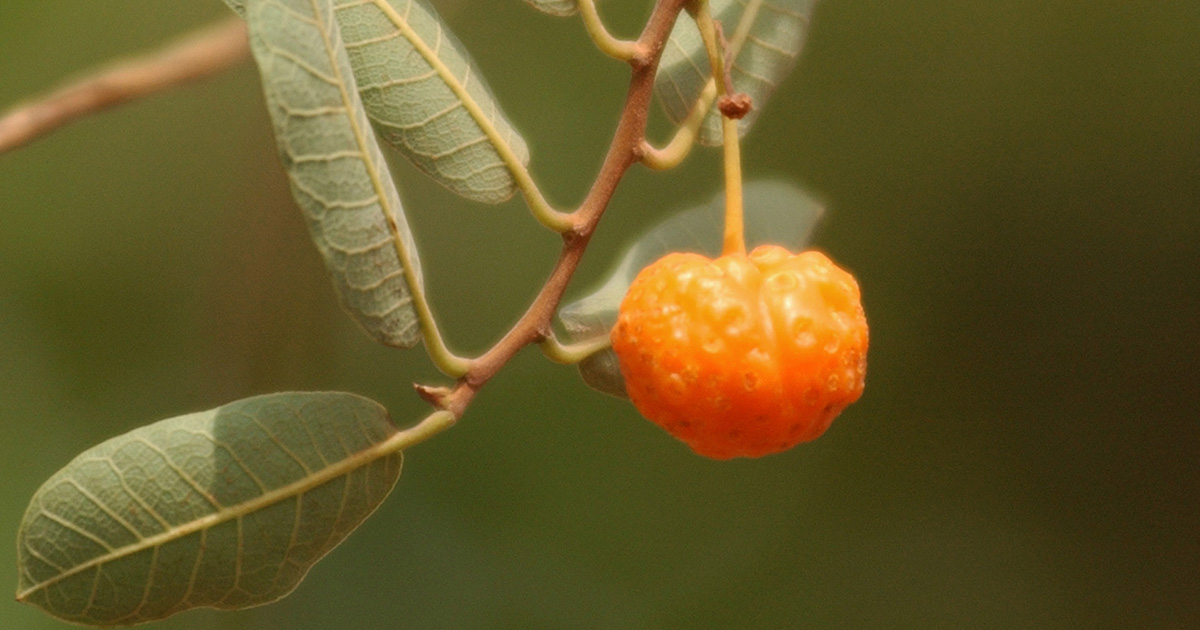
[{"x": 735, "y": 240}]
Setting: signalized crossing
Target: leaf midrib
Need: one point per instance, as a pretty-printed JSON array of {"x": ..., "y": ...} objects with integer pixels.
[
  {"x": 510, "y": 158},
  {"x": 360, "y": 138},
  {"x": 301, "y": 486}
]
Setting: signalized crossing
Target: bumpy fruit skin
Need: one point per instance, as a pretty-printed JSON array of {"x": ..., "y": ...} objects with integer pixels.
[{"x": 742, "y": 356}]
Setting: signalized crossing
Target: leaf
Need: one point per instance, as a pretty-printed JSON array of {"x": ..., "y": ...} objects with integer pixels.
[
  {"x": 338, "y": 174},
  {"x": 227, "y": 508},
  {"x": 765, "y": 38},
  {"x": 428, "y": 99},
  {"x": 555, "y": 7},
  {"x": 238, "y": 6},
  {"x": 775, "y": 213}
]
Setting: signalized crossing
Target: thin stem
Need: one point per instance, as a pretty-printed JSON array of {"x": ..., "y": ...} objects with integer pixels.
[
  {"x": 624, "y": 151},
  {"x": 571, "y": 354},
  {"x": 218, "y": 48},
  {"x": 621, "y": 49},
  {"x": 734, "y": 241},
  {"x": 685, "y": 136},
  {"x": 446, "y": 361},
  {"x": 735, "y": 234},
  {"x": 202, "y": 54},
  {"x": 681, "y": 144},
  {"x": 430, "y": 426},
  {"x": 435, "y": 345},
  {"x": 542, "y": 211},
  {"x": 545, "y": 214}
]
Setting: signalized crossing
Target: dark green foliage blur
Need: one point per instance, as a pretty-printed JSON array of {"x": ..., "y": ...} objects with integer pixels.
[{"x": 1015, "y": 184}]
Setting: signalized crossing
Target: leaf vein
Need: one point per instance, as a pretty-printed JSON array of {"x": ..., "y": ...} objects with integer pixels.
[
  {"x": 302, "y": 64},
  {"x": 179, "y": 471},
  {"x": 75, "y": 528},
  {"x": 137, "y": 498},
  {"x": 87, "y": 494}
]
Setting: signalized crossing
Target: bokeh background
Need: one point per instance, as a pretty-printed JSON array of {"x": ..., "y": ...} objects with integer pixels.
[{"x": 1016, "y": 185}]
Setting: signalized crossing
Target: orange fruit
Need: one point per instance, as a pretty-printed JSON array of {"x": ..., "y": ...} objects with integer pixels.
[{"x": 744, "y": 355}]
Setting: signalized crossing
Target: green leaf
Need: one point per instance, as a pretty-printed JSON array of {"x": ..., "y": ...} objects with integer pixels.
[
  {"x": 555, "y": 7},
  {"x": 765, "y": 37},
  {"x": 337, "y": 172},
  {"x": 775, "y": 213},
  {"x": 227, "y": 508},
  {"x": 238, "y": 6},
  {"x": 428, "y": 99}
]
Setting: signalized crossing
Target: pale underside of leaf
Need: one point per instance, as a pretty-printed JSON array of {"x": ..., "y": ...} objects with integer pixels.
[
  {"x": 338, "y": 174},
  {"x": 776, "y": 213},
  {"x": 428, "y": 99},
  {"x": 227, "y": 508},
  {"x": 765, "y": 37},
  {"x": 555, "y": 7}
]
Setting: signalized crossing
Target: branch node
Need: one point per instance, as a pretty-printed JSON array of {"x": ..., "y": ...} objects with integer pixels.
[
  {"x": 434, "y": 395},
  {"x": 735, "y": 106},
  {"x": 641, "y": 59}
]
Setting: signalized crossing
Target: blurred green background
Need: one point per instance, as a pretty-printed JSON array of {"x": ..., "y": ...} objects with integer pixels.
[{"x": 1016, "y": 185}]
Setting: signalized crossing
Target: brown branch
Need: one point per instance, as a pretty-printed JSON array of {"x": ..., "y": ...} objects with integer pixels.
[
  {"x": 623, "y": 152},
  {"x": 204, "y": 53},
  {"x": 219, "y": 47}
]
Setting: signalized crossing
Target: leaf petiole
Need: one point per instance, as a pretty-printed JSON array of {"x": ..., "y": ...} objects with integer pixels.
[
  {"x": 684, "y": 140},
  {"x": 621, "y": 49},
  {"x": 571, "y": 354},
  {"x": 428, "y": 427},
  {"x": 449, "y": 363},
  {"x": 541, "y": 209}
]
